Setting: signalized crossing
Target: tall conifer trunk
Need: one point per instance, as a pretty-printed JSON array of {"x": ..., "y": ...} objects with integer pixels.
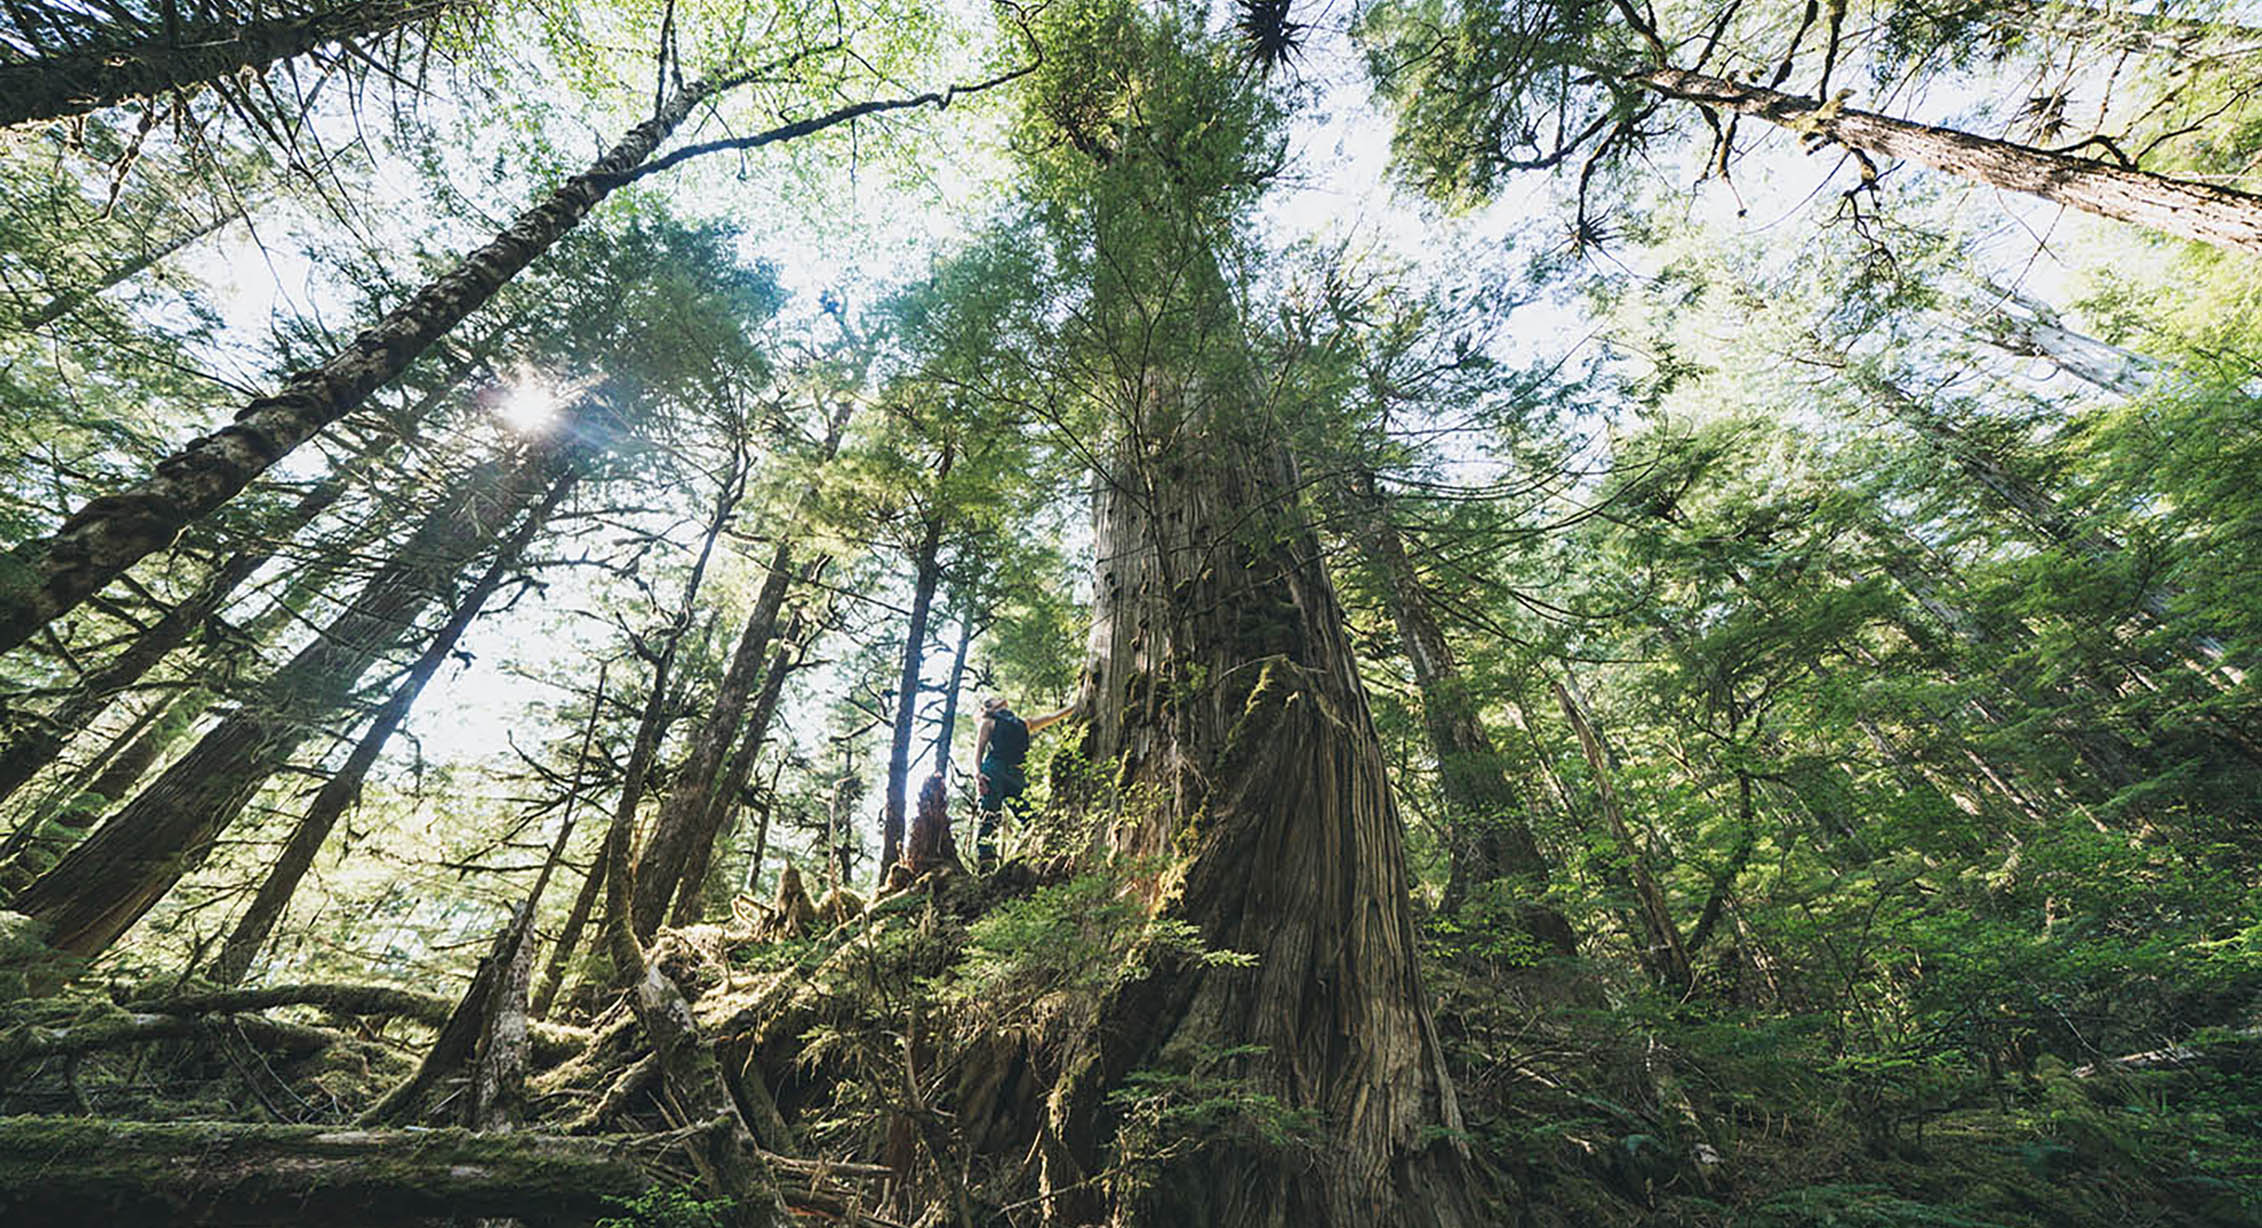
[
  {"x": 660, "y": 864},
  {"x": 926, "y": 576},
  {"x": 1489, "y": 837},
  {"x": 1221, "y": 688},
  {"x": 87, "y": 79},
  {"x": 338, "y": 793},
  {"x": 48, "y": 576},
  {"x": 2186, "y": 208},
  {"x": 36, "y": 747},
  {"x": 109, "y": 880}
]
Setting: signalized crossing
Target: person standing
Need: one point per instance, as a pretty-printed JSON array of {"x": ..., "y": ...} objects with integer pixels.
[{"x": 1001, "y": 746}]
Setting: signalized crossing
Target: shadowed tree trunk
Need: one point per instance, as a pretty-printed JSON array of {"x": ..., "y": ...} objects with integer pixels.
[
  {"x": 108, "y": 881},
  {"x": 651, "y": 726},
  {"x": 1487, "y": 835},
  {"x": 87, "y": 79},
  {"x": 34, "y": 748},
  {"x": 691, "y": 894},
  {"x": 661, "y": 863},
  {"x": 683, "y": 815},
  {"x": 926, "y": 575},
  {"x": 344, "y": 786},
  {"x": 1664, "y": 953},
  {"x": 2182, "y": 207}
]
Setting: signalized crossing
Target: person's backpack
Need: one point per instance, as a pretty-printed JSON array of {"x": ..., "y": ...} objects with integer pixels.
[{"x": 1009, "y": 737}]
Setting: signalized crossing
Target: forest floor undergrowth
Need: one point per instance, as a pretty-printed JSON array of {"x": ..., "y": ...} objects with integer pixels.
[{"x": 893, "y": 1062}]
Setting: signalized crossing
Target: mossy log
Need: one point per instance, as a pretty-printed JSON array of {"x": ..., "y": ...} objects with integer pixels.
[
  {"x": 79, "y": 1170},
  {"x": 551, "y": 1043},
  {"x": 76, "y": 1170},
  {"x": 32, "y": 1041}
]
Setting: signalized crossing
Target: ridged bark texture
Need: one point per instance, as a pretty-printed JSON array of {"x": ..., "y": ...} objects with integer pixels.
[
  {"x": 36, "y": 747},
  {"x": 80, "y": 81},
  {"x": 1222, "y": 688},
  {"x": 2200, "y": 211}
]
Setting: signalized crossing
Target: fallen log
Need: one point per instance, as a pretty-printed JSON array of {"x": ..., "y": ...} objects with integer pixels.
[
  {"x": 121, "y": 1174},
  {"x": 125, "y": 1174},
  {"x": 552, "y": 1042},
  {"x": 30, "y": 1041}
]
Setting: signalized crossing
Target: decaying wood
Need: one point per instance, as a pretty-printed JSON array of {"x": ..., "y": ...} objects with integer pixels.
[{"x": 59, "y": 1170}]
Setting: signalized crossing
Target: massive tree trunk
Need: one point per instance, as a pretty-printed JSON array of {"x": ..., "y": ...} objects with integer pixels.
[
  {"x": 2186, "y": 208},
  {"x": 1487, "y": 835},
  {"x": 106, "y": 883},
  {"x": 85, "y": 1170},
  {"x": 1221, "y": 686},
  {"x": 926, "y": 575},
  {"x": 338, "y": 793},
  {"x": 87, "y": 79}
]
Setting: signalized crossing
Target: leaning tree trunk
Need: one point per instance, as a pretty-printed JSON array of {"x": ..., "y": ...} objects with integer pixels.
[
  {"x": 682, "y": 821},
  {"x": 644, "y": 748},
  {"x": 338, "y": 793},
  {"x": 69, "y": 301},
  {"x": 216, "y": 670},
  {"x": 927, "y": 574},
  {"x": 108, "y": 881},
  {"x": 667, "y": 851},
  {"x": 49, "y": 576},
  {"x": 36, "y": 747},
  {"x": 1487, "y": 836},
  {"x": 87, "y": 79},
  {"x": 949, "y": 726},
  {"x": 2202, "y": 212},
  {"x": 1664, "y": 953},
  {"x": 691, "y": 894}
]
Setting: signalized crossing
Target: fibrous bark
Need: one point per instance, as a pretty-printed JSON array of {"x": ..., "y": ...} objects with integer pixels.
[
  {"x": 1222, "y": 688},
  {"x": 82, "y": 80},
  {"x": 2199, "y": 211}
]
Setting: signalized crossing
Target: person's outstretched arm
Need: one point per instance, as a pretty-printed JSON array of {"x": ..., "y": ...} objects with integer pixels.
[
  {"x": 982, "y": 747},
  {"x": 1038, "y": 724}
]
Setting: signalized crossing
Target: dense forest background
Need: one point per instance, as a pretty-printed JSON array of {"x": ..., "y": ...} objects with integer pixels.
[{"x": 1657, "y": 599}]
